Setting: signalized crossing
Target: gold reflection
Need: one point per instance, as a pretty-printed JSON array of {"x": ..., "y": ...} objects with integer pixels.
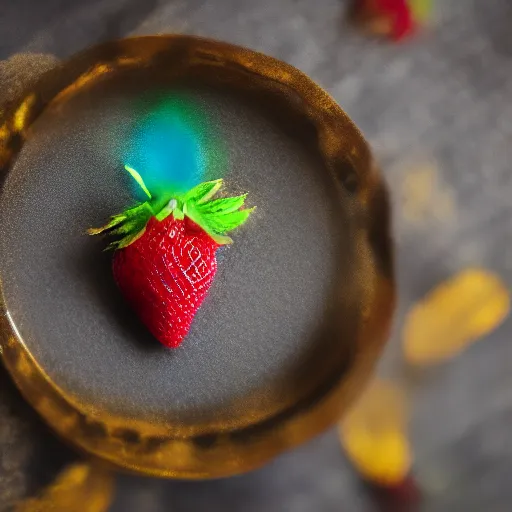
[
  {"x": 21, "y": 115},
  {"x": 79, "y": 488},
  {"x": 4, "y": 132},
  {"x": 83, "y": 80}
]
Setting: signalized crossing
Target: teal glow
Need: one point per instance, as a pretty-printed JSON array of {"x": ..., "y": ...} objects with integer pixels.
[{"x": 174, "y": 147}]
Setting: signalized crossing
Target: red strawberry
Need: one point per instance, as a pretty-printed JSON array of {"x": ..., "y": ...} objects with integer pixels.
[
  {"x": 389, "y": 17},
  {"x": 165, "y": 261}
]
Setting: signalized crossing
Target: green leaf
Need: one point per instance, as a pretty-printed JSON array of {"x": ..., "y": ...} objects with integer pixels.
[
  {"x": 135, "y": 217},
  {"x": 166, "y": 210},
  {"x": 222, "y": 206},
  {"x": 203, "y": 192},
  {"x": 138, "y": 178},
  {"x": 200, "y": 220},
  {"x": 142, "y": 210},
  {"x": 127, "y": 240},
  {"x": 178, "y": 214},
  {"x": 114, "y": 221},
  {"x": 131, "y": 223},
  {"x": 221, "y": 239},
  {"x": 131, "y": 226},
  {"x": 228, "y": 221}
]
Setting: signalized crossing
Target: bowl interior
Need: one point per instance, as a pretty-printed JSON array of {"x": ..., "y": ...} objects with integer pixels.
[{"x": 267, "y": 337}]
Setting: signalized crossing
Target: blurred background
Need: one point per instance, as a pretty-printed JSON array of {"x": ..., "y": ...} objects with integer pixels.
[{"x": 436, "y": 110}]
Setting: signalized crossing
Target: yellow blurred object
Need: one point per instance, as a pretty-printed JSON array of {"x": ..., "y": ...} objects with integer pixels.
[
  {"x": 425, "y": 196},
  {"x": 374, "y": 434},
  {"x": 456, "y": 313},
  {"x": 79, "y": 488}
]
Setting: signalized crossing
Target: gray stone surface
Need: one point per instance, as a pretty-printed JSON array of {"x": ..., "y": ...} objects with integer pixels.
[{"x": 444, "y": 99}]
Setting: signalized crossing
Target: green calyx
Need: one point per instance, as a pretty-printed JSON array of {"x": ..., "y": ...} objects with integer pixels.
[{"x": 215, "y": 216}]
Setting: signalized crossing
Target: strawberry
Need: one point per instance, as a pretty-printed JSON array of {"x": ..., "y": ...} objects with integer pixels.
[
  {"x": 394, "y": 18},
  {"x": 165, "y": 257}
]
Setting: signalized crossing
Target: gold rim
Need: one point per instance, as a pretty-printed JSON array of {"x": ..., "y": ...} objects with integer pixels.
[{"x": 152, "y": 449}]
